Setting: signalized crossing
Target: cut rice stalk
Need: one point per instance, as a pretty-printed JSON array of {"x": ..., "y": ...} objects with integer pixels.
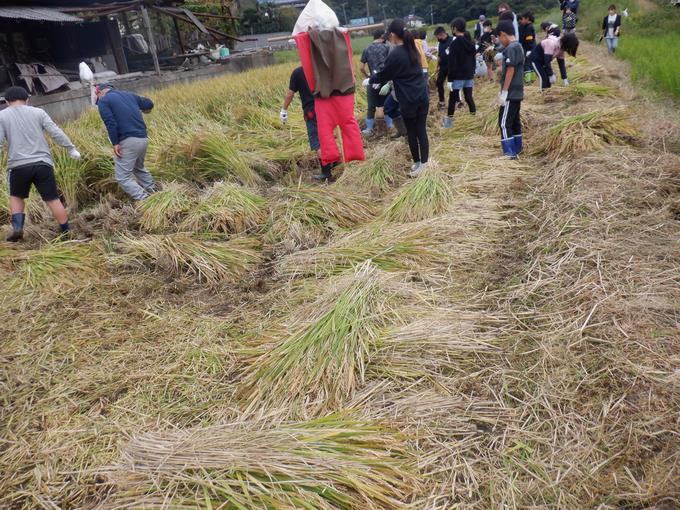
[
  {"x": 218, "y": 158},
  {"x": 164, "y": 208},
  {"x": 427, "y": 196},
  {"x": 180, "y": 254},
  {"x": 379, "y": 174},
  {"x": 328, "y": 464},
  {"x": 586, "y": 132},
  {"x": 54, "y": 264},
  {"x": 324, "y": 360},
  {"x": 227, "y": 208},
  {"x": 389, "y": 249}
]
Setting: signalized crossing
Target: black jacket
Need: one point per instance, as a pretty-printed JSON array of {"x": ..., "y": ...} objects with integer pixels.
[
  {"x": 462, "y": 61},
  {"x": 410, "y": 86},
  {"x": 527, "y": 37},
  {"x": 617, "y": 25},
  {"x": 441, "y": 52}
]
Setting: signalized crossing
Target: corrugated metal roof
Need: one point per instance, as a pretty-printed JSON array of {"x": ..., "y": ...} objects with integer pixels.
[{"x": 37, "y": 14}]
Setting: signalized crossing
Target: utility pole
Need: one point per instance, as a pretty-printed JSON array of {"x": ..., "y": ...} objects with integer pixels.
[
  {"x": 431, "y": 16},
  {"x": 384, "y": 15},
  {"x": 368, "y": 14},
  {"x": 344, "y": 13}
]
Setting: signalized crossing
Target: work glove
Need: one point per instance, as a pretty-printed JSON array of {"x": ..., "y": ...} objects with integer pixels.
[
  {"x": 385, "y": 89},
  {"x": 73, "y": 153},
  {"x": 364, "y": 83},
  {"x": 503, "y": 98},
  {"x": 283, "y": 115},
  {"x": 376, "y": 86},
  {"x": 565, "y": 82},
  {"x": 450, "y": 85},
  {"x": 528, "y": 53},
  {"x": 552, "y": 79}
]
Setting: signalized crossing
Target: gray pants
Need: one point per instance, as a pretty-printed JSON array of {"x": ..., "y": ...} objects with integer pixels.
[{"x": 130, "y": 171}]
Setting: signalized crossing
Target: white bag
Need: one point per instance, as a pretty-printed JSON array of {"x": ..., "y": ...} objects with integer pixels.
[
  {"x": 318, "y": 15},
  {"x": 481, "y": 66}
]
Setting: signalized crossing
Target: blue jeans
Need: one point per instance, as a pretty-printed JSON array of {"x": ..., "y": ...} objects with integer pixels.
[
  {"x": 612, "y": 43},
  {"x": 392, "y": 107},
  {"x": 312, "y": 134},
  {"x": 462, "y": 84}
]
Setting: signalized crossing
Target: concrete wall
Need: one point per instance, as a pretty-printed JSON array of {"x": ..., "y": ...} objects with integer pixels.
[{"x": 65, "y": 106}]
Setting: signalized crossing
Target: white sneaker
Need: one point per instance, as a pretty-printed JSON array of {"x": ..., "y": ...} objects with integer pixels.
[
  {"x": 417, "y": 171},
  {"x": 415, "y": 166}
]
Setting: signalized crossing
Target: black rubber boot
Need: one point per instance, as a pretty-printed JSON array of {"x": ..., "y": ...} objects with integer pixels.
[
  {"x": 15, "y": 236},
  {"x": 326, "y": 174},
  {"x": 401, "y": 127}
]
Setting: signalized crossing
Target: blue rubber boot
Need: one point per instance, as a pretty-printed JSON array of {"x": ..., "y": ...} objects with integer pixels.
[
  {"x": 509, "y": 148},
  {"x": 369, "y": 127},
  {"x": 448, "y": 122},
  {"x": 389, "y": 122},
  {"x": 517, "y": 139}
]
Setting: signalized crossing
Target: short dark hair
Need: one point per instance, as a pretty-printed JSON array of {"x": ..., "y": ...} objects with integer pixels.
[
  {"x": 439, "y": 30},
  {"x": 504, "y": 6},
  {"x": 506, "y": 27},
  {"x": 569, "y": 43},
  {"x": 422, "y": 34},
  {"x": 378, "y": 34},
  {"x": 487, "y": 23},
  {"x": 611, "y": 7},
  {"x": 458, "y": 24},
  {"x": 16, "y": 94},
  {"x": 506, "y": 16},
  {"x": 528, "y": 15},
  {"x": 545, "y": 25}
]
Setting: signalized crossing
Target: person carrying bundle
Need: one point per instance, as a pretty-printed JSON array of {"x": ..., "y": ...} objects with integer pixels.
[
  {"x": 403, "y": 67},
  {"x": 29, "y": 159},
  {"x": 462, "y": 64},
  {"x": 122, "y": 115}
]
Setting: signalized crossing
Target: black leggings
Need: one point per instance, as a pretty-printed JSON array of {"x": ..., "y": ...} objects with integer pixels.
[
  {"x": 416, "y": 129},
  {"x": 454, "y": 97}
]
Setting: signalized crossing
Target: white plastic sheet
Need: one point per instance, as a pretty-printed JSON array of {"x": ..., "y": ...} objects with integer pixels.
[{"x": 317, "y": 15}]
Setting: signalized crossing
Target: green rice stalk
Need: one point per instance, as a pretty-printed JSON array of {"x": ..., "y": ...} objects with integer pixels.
[
  {"x": 227, "y": 208},
  {"x": 427, "y": 196},
  {"x": 324, "y": 360},
  {"x": 389, "y": 249},
  {"x": 327, "y": 464},
  {"x": 218, "y": 158},
  {"x": 164, "y": 208},
  {"x": 180, "y": 254},
  {"x": 54, "y": 265}
]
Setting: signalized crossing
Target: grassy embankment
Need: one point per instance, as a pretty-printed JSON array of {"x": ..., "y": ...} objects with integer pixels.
[{"x": 650, "y": 37}]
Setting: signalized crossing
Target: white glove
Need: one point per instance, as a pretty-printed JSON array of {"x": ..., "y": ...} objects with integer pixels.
[
  {"x": 376, "y": 86},
  {"x": 364, "y": 83},
  {"x": 73, "y": 153},
  {"x": 503, "y": 98},
  {"x": 385, "y": 89},
  {"x": 450, "y": 85},
  {"x": 565, "y": 82},
  {"x": 528, "y": 53},
  {"x": 552, "y": 79},
  {"x": 283, "y": 115}
]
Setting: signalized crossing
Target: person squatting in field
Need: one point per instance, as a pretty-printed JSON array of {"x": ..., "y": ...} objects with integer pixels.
[
  {"x": 29, "y": 159},
  {"x": 552, "y": 47},
  {"x": 403, "y": 67},
  {"x": 121, "y": 113},
  {"x": 462, "y": 64},
  {"x": 373, "y": 57}
]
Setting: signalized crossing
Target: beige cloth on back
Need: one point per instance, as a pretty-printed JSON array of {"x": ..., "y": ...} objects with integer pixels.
[{"x": 331, "y": 62}]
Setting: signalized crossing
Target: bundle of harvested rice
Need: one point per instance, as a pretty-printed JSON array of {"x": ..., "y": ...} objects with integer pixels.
[
  {"x": 586, "y": 132},
  {"x": 379, "y": 174},
  {"x": 163, "y": 209},
  {"x": 306, "y": 215},
  {"x": 56, "y": 264},
  {"x": 218, "y": 159},
  {"x": 324, "y": 360},
  {"x": 330, "y": 463},
  {"x": 180, "y": 254},
  {"x": 227, "y": 208},
  {"x": 427, "y": 196}
]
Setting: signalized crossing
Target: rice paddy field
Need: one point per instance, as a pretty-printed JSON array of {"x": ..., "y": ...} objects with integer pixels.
[{"x": 492, "y": 334}]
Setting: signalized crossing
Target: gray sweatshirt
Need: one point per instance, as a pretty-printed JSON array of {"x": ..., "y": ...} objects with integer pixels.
[{"x": 23, "y": 126}]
